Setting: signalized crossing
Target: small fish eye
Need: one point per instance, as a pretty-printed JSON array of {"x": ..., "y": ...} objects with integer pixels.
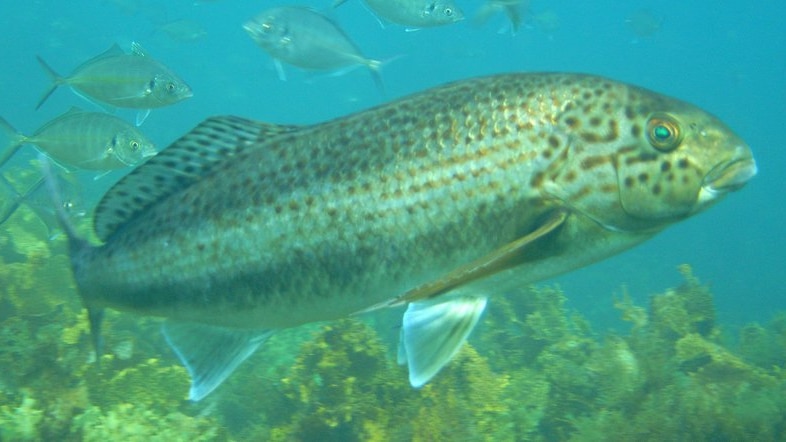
[{"x": 663, "y": 132}]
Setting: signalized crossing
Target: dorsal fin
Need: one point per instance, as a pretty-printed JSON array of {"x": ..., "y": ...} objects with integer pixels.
[
  {"x": 74, "y": 110},
  {"x": 114, "y": 51},
  {"x": 184, "y": 162},
  {"x": 138, "y": 50}
]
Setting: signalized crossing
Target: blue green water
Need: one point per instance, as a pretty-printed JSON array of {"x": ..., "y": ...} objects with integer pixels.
[{"x": 727, "y": 57}]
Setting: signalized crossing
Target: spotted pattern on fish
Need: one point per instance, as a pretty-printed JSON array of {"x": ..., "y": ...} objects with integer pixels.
[
  {"x": 181, "y": 165},
  {"x": 318, "y": 222}
]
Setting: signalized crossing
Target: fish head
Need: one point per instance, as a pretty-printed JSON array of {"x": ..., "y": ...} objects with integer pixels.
[
  {"x": 640, "y": 161},
  {"x": 168, "y": 88},
  {"x": 442, "y": 12},
  {"x": 270, "y": 31},
  {"x": 130, "y": 146}
]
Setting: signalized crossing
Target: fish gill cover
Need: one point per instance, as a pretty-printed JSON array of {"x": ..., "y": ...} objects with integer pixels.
[{"x": 542, "y": 365}]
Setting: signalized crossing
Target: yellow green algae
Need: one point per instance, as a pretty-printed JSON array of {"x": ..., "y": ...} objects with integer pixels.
[{"x": 532, "y": 371}]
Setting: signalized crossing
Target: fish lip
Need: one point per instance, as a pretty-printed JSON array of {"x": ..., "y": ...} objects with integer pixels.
[
  {"x": 251, "y": 28},
  {"x": 730, "y": 176}
]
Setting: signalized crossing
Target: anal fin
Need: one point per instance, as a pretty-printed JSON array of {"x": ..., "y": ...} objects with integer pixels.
[
  {"x": 211, "y": 353},
  {"x": 434, "y": 332}
]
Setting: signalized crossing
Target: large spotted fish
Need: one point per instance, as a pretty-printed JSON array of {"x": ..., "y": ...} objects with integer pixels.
[{"x": 436, "y": 201}]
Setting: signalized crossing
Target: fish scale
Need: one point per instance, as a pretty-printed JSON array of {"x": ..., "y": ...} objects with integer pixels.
[
  {"x": 351, "y": 185},
  {"x": 415, "y": 187},
  {"x": 435, "y": 200}
]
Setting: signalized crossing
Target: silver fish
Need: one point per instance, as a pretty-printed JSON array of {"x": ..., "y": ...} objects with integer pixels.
[
  {"x": 118, "y": 79},
  {"x": 437, "y": 201},
  {"x": 415, "y": 13},
  {"x": 84, "y": 140},
  {"x": 307, "y": 39}
]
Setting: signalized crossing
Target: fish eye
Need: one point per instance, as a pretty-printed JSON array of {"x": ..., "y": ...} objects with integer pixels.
[{"x": 663, "y": 132}]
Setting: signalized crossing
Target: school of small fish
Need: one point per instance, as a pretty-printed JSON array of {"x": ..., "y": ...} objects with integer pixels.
[
  {"x": 96, "y": 141},
  {"x": 436, "y": 201}
]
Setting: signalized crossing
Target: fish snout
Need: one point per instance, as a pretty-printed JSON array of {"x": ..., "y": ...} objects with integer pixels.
[
  {"x": 187, "y": 91},
  {"x": 731, "y": 175},
  {"x": 258, "y": 31}
]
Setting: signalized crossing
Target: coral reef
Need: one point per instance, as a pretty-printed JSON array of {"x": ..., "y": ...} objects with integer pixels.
[{"x": 532, "y": 371}]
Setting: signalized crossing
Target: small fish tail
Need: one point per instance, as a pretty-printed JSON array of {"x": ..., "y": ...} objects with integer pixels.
[
  {"x": 10, "y": 194},
  {"x": 513, "y": 14},
  {"x": 375, "y": 68},
  {"x": 57, "y": 80},
  {"x": 76, "y": 245},
  {"x": 16, "y": 138},
  {"x": 511, "y": 9}
]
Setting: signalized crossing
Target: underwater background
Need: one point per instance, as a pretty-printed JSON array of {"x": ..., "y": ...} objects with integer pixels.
[{"x": 681, "y": 338}]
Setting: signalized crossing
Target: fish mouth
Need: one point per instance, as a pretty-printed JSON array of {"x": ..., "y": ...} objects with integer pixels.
[{"x": 729, "y": 176}]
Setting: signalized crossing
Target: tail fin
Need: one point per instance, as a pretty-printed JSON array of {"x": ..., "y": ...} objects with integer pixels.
[
  {"x": 511, "y": 9},
  {"x": 375, "y": 68},
  {"x": 76, "y": 244},
  {"x": 14, "y": 199},
  {"x": 513, "y": 14},
  {"x": 16, "y": 141},
  {"x": 57, "y": 80}
]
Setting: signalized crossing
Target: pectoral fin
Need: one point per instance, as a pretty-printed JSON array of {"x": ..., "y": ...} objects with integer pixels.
[
  {"x": 434, "y": 332},
  {"x": 141, "y": 116},
  {"x": 496, "y": 261},
  {"x": 211, "y": 353}
]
